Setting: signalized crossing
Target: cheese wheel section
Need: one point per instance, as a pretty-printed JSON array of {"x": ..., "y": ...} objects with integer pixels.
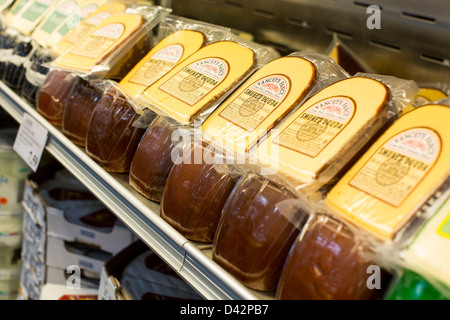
[
  {"x": 161, "y": 59},
  {"x": 381, "y": 192},
  {"x": 101, "y": 42},
  {"x": 259, "y": 103},
  {"x": 87, "y": 24},
  {"x": 200, "y": 80},
  {"x": 318, "y": 133}
]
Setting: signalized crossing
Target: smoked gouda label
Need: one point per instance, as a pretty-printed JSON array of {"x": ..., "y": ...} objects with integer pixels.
[
  {"x": 99, "y": 41},
  {"x": 314, "y": 128},
  {"x": 444, "y": 229},
  {"x": 257, "y": 102},
  {"x": 158, "y": 65},
  {"x": 399, "y": 165},
  {"x": 196, "y": 80}
]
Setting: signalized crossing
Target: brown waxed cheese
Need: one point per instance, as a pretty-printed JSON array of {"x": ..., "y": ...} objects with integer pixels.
[
  {"x": 53, "y": 95},
  {"x": 152, "y": 161},
  {"x": 162, "y": 58},
  {"x": 253, "y": 237},
  {"x": 111, "y": 138},
  {"x": 195, "y": 194},
  {"x": 326, "y": 262},
  {"x": 259, "y": 103},
  {"x": 318, "y": 133},
  {"x": 199, "y": 80},
  {"x": 381, "y": 192}
]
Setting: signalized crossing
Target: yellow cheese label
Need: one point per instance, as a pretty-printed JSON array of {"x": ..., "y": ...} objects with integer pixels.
[
  {"x": 444, "y": 228},
  {"x": 99, "y": 41},
  {"x": 195, "y": 81},
  {"x": 317, "y": 126},
  {"x": 84, "y": 28},
  {"x": 257, "y": 102},
  {"x": 158, "y": 65},
  {"x": 394, "y": 171}
]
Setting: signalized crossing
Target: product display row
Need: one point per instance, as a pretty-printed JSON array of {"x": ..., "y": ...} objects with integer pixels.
[{"x": 306, "y": 175}]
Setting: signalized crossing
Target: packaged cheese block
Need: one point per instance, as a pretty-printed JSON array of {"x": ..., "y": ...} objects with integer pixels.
[
  {"x": 253, "y": 237},
  {"x": 111, "y": 138},
  {"x": 427, "y": 252},
  {"x": 195, "y": 194},
  {"x": 259, "y": 103},
  {"x": 81, "y": 102},
  {"x": 316, "y": 141},
  {"x": 427, "y": 95},
  {"x": 327, "y": 262},
  {"x": 14, "y": 73},
  {"x": 26, "y": 15},
  {"x": 161, "y": 59},
  {"x": 409, "y": 285},
  {"x": 54, "y": 94},
  {"x": 152, "y": 161},
  {"x": 86, "y": 25},
  {"x": 110, "y": 49},
  {"x": 199, "y": 80},
  {"x": 381, "y": 192},
  {"x": 8, "y": 40},
  {"x": 5, "y": 4}
]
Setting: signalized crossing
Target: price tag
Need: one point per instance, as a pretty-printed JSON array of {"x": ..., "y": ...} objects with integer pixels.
[{"x": 30, "y": 141}]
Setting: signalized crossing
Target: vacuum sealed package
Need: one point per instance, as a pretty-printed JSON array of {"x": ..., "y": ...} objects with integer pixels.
[
  {"x": 328, "y": 261},
  {"x": 199, "y": 83},
  {"x": 14, "y": 73},
  {"x": 35, "y": 74},
  {"x": 430, "y": 92},
  {"x": 241, "y": 121},
  {"x": 76, "y": 33},
  {"x": 253, "y": 236},
  {"x": 5, "y": 5},
  {"x": 114, "y": 46},
  {"x": 396, "y": 174},
  {"x": 148, "y": 277},
  {"x": 112, "y": 137},
  {"x": 149, "y": 177},
  {"x": 409, "y": 285},
  {"x": 65, "y": 15},
  {"x": 314, "y": 145},
  {"x": 426, "y": 251},
  {"x": 25, "y": 15}
]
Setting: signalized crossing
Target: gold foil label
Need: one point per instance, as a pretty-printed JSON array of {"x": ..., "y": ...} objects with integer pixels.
[
  {"x": 195, "y": 81},
  {"x": 257, "y": 102},
  {"x": 399, "y": 165},
  {"x": 99, "y": 42},
  {"x": 317, "y": 126},
  {"x": 158, "y": 65}
]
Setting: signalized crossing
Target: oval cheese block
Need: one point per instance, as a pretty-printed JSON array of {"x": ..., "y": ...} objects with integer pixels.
[
  {"x": 326, "y": 262},
  {"x": 253, "y": 237},
  {"x": 87, "y": 24},
  {"x": 324, "y": 130},
  {"x": 195, "y": 194},
  {"x": 381, "y": 192},
  {"x": 199, "y": 80},
  {"x": 427, "y": 95},
  {"x": 101, "y": 42},
  {"x": 259, "y": 103},
  {"x": 162, "y": 58}
]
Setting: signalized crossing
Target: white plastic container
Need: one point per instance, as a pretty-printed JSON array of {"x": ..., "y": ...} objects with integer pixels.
[
  {"x": 13, "y": 171},
  {"x": 9, "y": 283}
]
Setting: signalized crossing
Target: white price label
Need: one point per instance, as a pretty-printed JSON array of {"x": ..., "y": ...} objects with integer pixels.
[{"x": 30, "y": 141}]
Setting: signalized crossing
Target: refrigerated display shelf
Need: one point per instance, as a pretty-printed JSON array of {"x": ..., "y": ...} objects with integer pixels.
[{"x": 191, "y": 260}]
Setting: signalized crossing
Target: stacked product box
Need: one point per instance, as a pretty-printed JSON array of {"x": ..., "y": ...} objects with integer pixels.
[
  {"x": 69, "y": 233},
  {"x": 13, "y": 172}
]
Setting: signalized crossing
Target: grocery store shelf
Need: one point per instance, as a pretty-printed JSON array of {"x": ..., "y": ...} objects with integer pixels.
[{"x": 191, "y": 261}]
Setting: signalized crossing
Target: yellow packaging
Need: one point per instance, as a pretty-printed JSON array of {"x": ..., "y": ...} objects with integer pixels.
[
  {"x": 317, "y": 140},
  {"x": 381, "y": 192},
  {"x": 259, "y": 103},
  {"x": 199, "y": 80},
  {"x": 161, "y": 59},
  {"x": 87, "y": 24}
]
